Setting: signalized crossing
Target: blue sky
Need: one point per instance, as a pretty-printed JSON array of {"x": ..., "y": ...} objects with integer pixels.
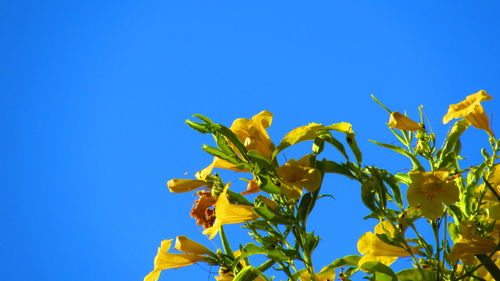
[{"x": 94, "y": 95}]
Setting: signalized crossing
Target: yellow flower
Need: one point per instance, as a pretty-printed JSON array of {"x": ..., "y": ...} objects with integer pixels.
[
  {"x": 298, "y": 174},
  {"x": 472, "y": 110},
  {"x": 492, "y": 202},
  {"x": 184, "y": 185},
  {"x": 188, "y": 246},
  {"x": 470, "y": 244},
  {"x": 374, "y": 249},
  {"x": 428, "y": 191},
  {"x": 401, "y": 122},
  {"x": 194, "y": 252},
  {"x": 253, "y": 134},
  {"x": 227, "y": 213}
]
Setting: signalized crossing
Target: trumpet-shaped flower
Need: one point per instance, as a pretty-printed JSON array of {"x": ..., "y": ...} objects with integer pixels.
[
  {"x": 296, "y": 175},
  {"x": 253, "y": 134},
  {"x": 193, "y": 253},
  {"x": 375, "y": 249},
  {"x": 228, "y": 213},
  {"x": 472, "y": 110},
  {"x": 428, "y": 191},
  {"x": 470, "y": 244},
  {"x": 401, "y": 122},
  {"x": 184, "y": 185}
]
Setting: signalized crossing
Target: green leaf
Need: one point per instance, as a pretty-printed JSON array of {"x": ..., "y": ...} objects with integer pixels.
[
  {"x": 260, "y": 160},
  {"x": 327, "y": 166},
  {"x": 337, "y": 144},
  {"x": 268, "y": 215},
  {"x": 413, "y": 274},
  {"x": 249, "y": 273},
  {"x": 251, "y": 249},
  {"x": 380, "y": 271},
  {"x": 318, "y": 146},
  {"x": 403, "y": 178},
  {"x": 351, "y": 140},
  {"x": 368, "y": 193},
  {"x": 394, "y": 186},
  {"x": 202, "y": 128},
  {"x": 304, "y": 206},
  {"x": 342, "y": 127},
  {"x": 416, "y": 164},
  {"x": 220, "y": 154},
  {"x": 267, "y": 185},
  {"x": 451, "y": 146},
  {"x": 300, "y": 134},
  {"x": 351, "y": 260}
]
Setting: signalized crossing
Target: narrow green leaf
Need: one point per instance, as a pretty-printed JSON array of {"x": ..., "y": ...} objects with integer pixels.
[
  {"x": 249, "y": 273},
  {"x": 300, "y": 134},
  {"x": 351, "y": 140},
  {"x": 220, "y": 154},
  {"x": 413, "y": 274},
  {"x": 451, "y": 144},
  {"x": 351, "y": 260},
  {"x": 380, "y": 271},
  {"x": 416, "y": 164},
  {"x": 327, "y": 166},
  {"x": 202, "y": 128}
]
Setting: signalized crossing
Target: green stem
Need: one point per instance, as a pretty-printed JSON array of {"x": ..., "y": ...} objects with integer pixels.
[
  {"x": 379, "y": 103},
  {"x": 225, "y": 243},
  {"x": 489, "y": 265},
  {"x": 435, "y": 230},
  {"x": 263, "y": 267}
]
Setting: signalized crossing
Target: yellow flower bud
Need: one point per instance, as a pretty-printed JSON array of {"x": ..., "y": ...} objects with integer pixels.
[
  {"x": 184, "y": 185},
  {"x": 401, "y": 122},
  {"x": 188, "y": 246}
]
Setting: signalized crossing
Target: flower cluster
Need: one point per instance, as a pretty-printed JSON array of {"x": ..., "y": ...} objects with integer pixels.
[{"x": 460, "y": 206}]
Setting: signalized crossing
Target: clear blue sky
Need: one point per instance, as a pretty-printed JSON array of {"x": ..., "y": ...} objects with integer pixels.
[{"x": 94, "y": 95}]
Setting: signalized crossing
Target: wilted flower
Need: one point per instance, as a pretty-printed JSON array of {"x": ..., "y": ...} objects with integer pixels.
[
  {"x": 296, "y": 175},
  {"x": 472, "y": 110},
  {"x": 227, "y": 213},
  {"x": 428, "y": 191},
  {"x": 401, "y": 122},
  {"x": 193, "y": 253},
  {"x": 470, "y": 244},
  {"x": 374, "y": 249},
  {"x": 202, "y": 210}
]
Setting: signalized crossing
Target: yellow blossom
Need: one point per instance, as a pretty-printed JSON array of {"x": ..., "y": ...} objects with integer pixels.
[
  {"x": 470, "y": 244},
  {"x": 428, "y": 191},
  {"x": 492, "y": 202},
  {"x": 472, "y": 110},
  {"x": 296, "y": 175},
  {"x": 401, "y": 122},
  {"x": 253, "y": 134},
  {"x": 228, "y": 213},
  {"x": 164, "y": 260},
  {"x": 188, "y": 246},
  {"x": 184, "y": 185},
  {"x": 374, "y": 249}
]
